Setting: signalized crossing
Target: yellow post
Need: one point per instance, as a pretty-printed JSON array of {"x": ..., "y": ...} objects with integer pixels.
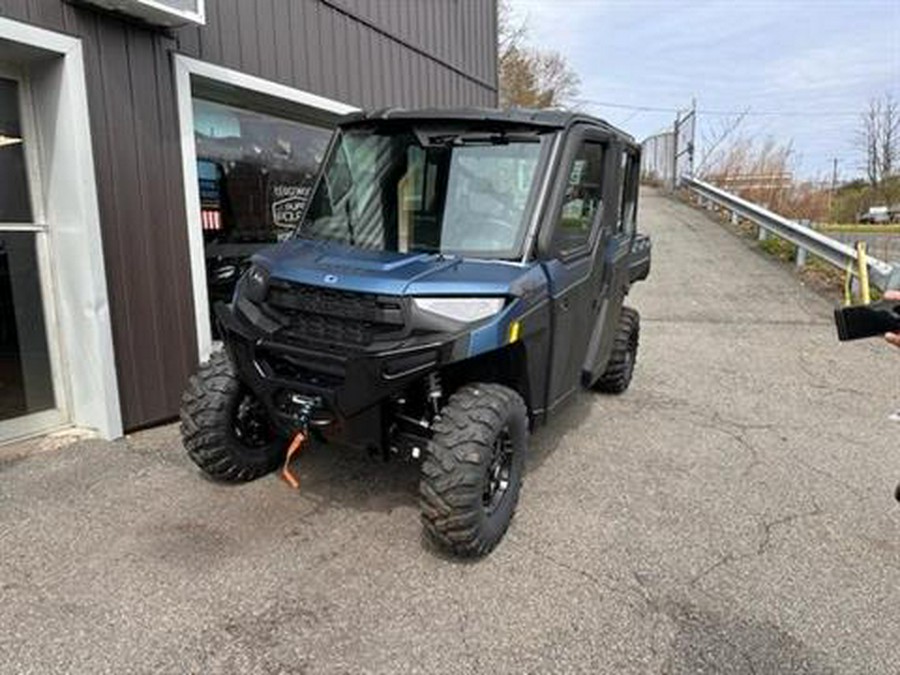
[{"x": 863, "y": 262}]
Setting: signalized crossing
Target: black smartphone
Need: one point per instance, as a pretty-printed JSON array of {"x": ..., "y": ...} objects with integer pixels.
[{"x": 862, "y": 321}]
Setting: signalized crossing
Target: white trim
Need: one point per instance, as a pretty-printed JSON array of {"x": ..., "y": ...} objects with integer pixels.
[
  {"x": 69, "y": 198},
  {"x": 23, "y": 227},
  {"x": 185, "y": 69},
  {"x": 32, "y": 36},
  {"x": 198, "y": 17},
  {"x": 258, "y": 84},
  {"x": 156, "y": 12},
  {"x": 32, "y": 424}
]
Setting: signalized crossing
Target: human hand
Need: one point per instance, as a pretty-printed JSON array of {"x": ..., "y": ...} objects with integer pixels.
[{"x": 893, "y": 338}]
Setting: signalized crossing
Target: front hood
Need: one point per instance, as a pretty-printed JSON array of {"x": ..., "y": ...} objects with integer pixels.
[{"x": 388, "y": 273}]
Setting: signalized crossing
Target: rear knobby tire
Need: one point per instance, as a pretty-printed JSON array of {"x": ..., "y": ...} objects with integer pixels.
[
  {"x": 472, "y": 469},
  {"x": 620, "y": 368},
  {"x": 224, "y": 428}
]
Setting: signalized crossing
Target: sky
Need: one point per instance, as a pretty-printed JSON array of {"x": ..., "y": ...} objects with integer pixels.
[{"x": 816, "y": 64}]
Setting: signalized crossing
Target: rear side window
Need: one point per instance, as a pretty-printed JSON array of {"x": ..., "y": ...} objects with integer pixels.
[
  {"x": 583, "y": 200},
  {"x": 628, "y": 193}
]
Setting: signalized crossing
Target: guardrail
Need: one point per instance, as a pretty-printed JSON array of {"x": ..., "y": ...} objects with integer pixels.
[
  {"x": 888, "y": 230},
  {"x": 807, "y": 240}
]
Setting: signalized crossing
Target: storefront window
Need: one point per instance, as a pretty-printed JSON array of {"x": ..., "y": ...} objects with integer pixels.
[{"x": 256, "y": 172}]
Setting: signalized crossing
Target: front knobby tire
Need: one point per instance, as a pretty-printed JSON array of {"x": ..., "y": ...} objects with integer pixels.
[
  {"x": 620, "y": 368},
  {"x": 472, "y": 469},
  {"x": 224, "y": 428}
]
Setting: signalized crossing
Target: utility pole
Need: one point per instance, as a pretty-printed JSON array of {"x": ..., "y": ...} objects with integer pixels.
[
  {"x": 676, "y": 131},
  {"x": 833, "y": 187},
  {"x": 693, "y": 135}
]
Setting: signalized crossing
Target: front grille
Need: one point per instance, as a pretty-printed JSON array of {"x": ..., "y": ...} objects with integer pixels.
[{"x": 335, "y": 317}]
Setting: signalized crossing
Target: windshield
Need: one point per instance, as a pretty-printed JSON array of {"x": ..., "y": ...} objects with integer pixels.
[{"x": 462, "y": 193}]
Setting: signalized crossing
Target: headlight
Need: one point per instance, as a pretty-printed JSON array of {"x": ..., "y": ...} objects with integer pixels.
[
  {"x": 461, "y": 309},
  {"x": 256, "y": 283}
]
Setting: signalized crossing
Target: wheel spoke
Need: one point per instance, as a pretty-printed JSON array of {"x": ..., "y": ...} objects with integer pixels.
[{"x": 497, "y": 478}]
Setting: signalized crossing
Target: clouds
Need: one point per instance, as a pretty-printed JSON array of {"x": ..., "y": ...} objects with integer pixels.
[
  {"x": 800, "y": 56},
  {"x": 859, "y": 64}
]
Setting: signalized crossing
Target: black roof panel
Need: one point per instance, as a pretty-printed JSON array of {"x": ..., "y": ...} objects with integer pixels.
[{"x": 549, "y": 119}]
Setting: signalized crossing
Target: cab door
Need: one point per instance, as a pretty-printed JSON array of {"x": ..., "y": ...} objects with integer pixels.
[
  {"x": 616, "y": 256},
  {"x": 572, "y": 246}
]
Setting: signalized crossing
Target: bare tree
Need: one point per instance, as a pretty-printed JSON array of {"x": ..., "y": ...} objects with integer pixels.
[
  {"x": 530, "y": 77},
  {"x": 879, "y": 139},
  {"x": 511, "y": 31},
  {"x": 714, "y": 137},
  {"x": 557, "y": 83},
  {"x": 890, "y": 130}
]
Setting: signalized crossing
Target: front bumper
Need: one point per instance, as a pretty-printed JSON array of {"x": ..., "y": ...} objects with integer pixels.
[{"x": 351, "y": 383}]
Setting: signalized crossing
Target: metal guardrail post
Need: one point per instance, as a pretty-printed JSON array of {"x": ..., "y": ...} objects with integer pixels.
[{"x": 800, "y": 260}]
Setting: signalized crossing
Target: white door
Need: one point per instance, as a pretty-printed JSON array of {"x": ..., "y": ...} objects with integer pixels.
[{"x": 32, "y": 399}]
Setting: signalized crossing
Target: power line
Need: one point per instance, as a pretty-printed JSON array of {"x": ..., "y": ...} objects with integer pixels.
[{"x": 749, "y": 112}]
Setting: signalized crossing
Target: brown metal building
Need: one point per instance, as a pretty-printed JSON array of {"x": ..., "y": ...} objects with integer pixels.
[{"x": 143, "y": 150}]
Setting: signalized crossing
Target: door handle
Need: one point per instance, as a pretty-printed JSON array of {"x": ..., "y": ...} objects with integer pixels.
[{"x": 564, "y": 305}]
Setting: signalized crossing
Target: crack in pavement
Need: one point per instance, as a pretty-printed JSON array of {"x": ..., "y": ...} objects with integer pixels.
[
  {"x": 660, "y": 613},
  {"x": 734, "y": 429},
  {"x": 764, "y": 545},
  {"x": 612, "y": 584},
  {"x": 816, "y": 379},
  {"x": 858, "y": 494}
]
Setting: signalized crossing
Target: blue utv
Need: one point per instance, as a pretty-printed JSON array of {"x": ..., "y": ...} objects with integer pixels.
[{"x": 456, "y": 277}]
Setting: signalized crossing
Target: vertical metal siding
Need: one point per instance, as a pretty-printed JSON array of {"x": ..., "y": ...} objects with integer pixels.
[{"x": 371, "y": 53}]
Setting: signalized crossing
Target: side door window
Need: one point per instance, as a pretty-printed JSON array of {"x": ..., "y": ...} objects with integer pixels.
[
  {"x": 628, "y": 190},
  {"x": 583, "y": 201}
]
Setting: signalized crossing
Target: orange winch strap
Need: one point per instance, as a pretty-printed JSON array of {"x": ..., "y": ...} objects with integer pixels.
[{"x": 292, "y": 450}]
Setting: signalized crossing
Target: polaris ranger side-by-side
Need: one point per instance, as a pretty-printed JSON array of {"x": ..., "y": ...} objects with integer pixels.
[{"x": 456, "y": 276}]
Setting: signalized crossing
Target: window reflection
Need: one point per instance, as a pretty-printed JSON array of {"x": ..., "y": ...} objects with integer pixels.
[
  {"x": 256, "y": 172},
  {"x": 584, "y": 198}
]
